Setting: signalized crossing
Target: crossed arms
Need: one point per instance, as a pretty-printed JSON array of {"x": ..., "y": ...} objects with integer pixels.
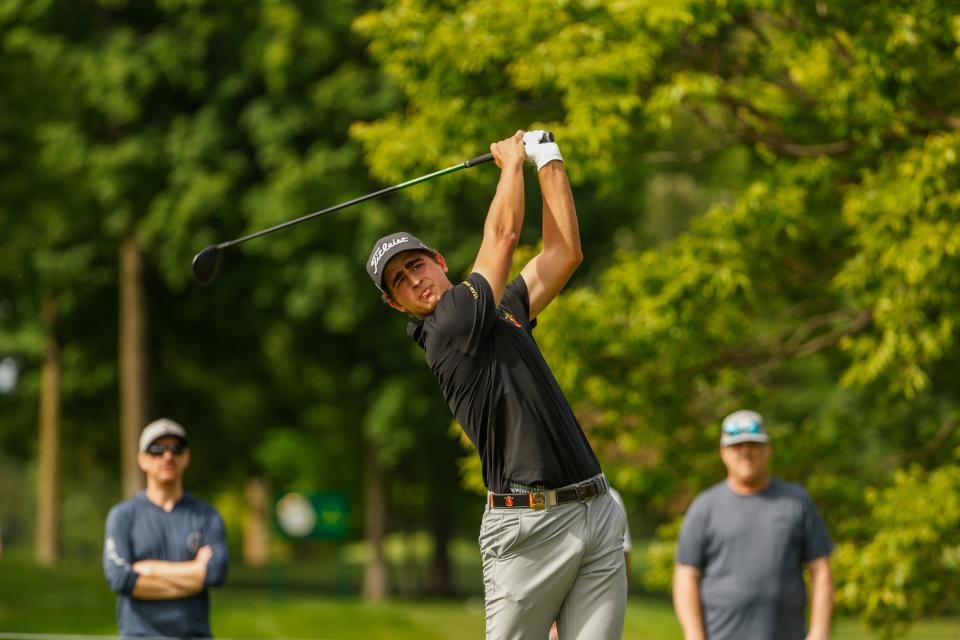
[
  {"x": 152, "y": 579},
  {"x": 164, "y": 580}
]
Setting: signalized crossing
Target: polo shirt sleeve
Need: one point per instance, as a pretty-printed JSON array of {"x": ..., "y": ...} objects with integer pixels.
[
  {"x": 516, "y": 300},
  {"x": 691, "y": 545},
  {"x": 816, "y": 538},
  {"x": 215, "y": 535},
  {"x": 118, "y": 552},
  {"x": 466, "y": 314}
]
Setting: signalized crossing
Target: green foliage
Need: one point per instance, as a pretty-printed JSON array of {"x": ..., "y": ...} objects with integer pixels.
[
  {"x": 906, "y": 563},
  {"x": 658, "y": 558},
  {"x": 183, "y": 124},
  {"x": 907, "y": 264}
]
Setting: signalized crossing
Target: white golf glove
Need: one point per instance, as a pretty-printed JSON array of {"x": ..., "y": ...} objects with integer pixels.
[{"x": 541, "y": 148}]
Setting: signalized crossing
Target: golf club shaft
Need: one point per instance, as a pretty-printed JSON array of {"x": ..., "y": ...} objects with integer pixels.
[{"x": 409, "y": 183}]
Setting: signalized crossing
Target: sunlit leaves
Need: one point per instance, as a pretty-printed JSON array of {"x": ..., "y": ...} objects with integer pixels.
[
  {"x": 908, "y": 565},
  {"x": 907, "y": 268}
]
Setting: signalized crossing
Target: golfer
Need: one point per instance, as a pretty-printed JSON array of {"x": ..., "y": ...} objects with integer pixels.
[
  {"x": 743, "y": 546},
  {"x": 164, "y": 549},
  {"x": 551, "y": 537}
]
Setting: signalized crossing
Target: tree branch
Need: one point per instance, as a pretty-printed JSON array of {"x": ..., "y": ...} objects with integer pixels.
[
  {"x": 944, "y": 433},
  {"x": 860, "y": 321},
  {"x": 946, "y": 119},
  {"x": 780, "y": 143},
  {"x": 764, "y": 361}
]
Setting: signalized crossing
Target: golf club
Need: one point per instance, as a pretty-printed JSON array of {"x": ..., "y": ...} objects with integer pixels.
[{"x": 205, "y": 262}]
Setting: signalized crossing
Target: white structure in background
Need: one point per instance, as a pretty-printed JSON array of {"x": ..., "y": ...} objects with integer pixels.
[{"x": 8, "y": 375}]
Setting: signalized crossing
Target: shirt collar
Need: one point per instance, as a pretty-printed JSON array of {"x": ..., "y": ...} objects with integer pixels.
[{"x": 415, "y": 331}]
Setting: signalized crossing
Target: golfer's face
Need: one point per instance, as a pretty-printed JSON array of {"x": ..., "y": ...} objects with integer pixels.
[
  {"x": 747, "y": 462},
  {"x": 416, "y": 281}
]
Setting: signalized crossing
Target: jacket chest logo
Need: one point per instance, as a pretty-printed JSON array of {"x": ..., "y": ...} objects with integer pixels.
[
  {"x": 194, "y": 539},
  {"x": 506, "y": 315}
]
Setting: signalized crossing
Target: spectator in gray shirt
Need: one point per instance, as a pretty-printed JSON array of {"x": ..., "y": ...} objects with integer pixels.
[
  {"x": 742, "y": 549},
  {"x": 163, "y": 548}
]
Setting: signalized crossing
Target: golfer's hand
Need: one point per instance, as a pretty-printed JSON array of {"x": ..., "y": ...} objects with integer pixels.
[
  {"x": 509, "y": 153},
  {"x": 539, "y": 150}
]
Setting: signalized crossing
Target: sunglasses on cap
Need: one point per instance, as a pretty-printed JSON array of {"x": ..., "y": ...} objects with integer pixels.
[
  {"x": 160, "y": 449},
  {"x": 736, "y": 429}
]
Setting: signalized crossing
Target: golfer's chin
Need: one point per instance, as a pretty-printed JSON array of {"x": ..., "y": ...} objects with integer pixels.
[{"x": 425, "y": 307}]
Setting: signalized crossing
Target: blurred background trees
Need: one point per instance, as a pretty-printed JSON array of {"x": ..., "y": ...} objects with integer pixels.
[{"x": 768, "y": 202}]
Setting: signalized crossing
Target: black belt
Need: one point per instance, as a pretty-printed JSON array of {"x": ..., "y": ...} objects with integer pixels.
[{"x": 580, "y": 492}]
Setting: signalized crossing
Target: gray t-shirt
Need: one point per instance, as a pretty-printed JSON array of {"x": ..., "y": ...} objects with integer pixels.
[
  {"x": 751, "y": 551},
  {"x": 137, "y": 529}
]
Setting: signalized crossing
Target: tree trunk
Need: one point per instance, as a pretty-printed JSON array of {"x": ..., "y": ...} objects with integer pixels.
[
  {"x": 256, "y": 524},
  {"x": 409, "y": 582},
  {"x": 48, "y": 474},
  {"x": 132, "y": 348},
  {"x": 440, "y": 564},
  {"x": 375, "y": 587}
]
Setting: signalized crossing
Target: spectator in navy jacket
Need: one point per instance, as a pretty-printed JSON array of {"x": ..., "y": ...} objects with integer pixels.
[{"x": 163, "y": 548}]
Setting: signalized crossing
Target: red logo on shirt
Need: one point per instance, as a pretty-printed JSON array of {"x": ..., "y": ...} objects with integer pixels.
[
  {"x": 509, "y": 318},
  {"x": 509, "y": 501}
]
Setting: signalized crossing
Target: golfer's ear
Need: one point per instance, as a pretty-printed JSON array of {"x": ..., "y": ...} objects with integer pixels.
[
  {"x": 439, "y": 259},
  {"x": 396, "y": 305}
]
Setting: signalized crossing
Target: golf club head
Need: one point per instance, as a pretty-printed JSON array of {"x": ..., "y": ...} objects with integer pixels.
[{"x": 205, "y": 264}]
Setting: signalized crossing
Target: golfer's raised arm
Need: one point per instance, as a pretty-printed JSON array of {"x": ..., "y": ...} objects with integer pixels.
[
  {"x": 501, "y": 231},
  {"x": 547, "y": 273}
]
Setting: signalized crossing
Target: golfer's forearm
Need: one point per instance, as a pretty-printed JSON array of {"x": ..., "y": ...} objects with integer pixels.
[
  {"x": 561, "y": 233},
  {"x": 505, "y": 217},
  {"x": 501, "y": 230}
]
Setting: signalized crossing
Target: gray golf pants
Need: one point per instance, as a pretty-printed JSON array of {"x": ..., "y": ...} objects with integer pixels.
[{"x": 564, "y": 563}]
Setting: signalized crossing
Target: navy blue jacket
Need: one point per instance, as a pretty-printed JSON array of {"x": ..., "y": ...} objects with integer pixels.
[{"x": 137, "y": 529}]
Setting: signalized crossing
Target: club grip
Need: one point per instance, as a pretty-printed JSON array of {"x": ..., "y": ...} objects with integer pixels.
[{"x": 487, "y": 157}]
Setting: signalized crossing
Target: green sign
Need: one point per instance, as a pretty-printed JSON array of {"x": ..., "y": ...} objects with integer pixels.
[{"x": 319, "y": 515}]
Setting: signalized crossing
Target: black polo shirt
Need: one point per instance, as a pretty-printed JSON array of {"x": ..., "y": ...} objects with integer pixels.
[{"x": 500, "y": 388}]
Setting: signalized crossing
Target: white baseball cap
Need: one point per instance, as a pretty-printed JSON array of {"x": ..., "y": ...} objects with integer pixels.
[{"x": 159, "y": 428}]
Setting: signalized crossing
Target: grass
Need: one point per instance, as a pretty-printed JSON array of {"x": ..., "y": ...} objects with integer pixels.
[{"x": 73, "y": 599}]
